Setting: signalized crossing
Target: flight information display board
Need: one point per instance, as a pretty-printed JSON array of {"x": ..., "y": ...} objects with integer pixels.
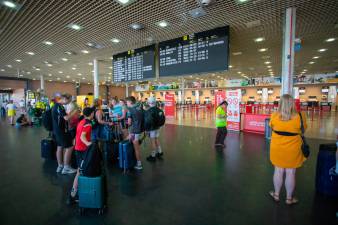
[
  {"x": 202, "y": 52},
  {"x": 138, "y": 64}
]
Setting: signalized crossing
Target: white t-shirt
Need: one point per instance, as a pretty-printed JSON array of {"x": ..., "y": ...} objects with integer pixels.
[{"x": 10, "y": 106}]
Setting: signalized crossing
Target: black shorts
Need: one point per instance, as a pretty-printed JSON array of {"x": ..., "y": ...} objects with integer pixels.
[
  {"x": 79, "y": 157},
  {"x": 63, "y": 140}
]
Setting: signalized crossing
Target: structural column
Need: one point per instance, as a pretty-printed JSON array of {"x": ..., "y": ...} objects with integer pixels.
[
  {"x": 42, "y": 83},
  {"x": 182, "y": 90},
  {"x": 288, "y": 51},
  {"x": 127, "y": 90},
  {"x": 96, "y": 79}
]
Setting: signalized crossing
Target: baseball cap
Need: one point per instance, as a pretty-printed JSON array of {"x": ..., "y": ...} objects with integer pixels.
[
  {"x": 151, "y": 100},
  {"x": 87, "y": 111}
]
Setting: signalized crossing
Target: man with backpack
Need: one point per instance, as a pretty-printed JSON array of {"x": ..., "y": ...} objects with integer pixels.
[
  {"x": 62, "y": 135},
  {"x": 154, "y": 118},
  {"x": 136, "y": 127}
]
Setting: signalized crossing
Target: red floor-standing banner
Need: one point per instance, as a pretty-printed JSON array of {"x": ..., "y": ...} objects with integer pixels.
[
  {"x": 233, "y": 98},
  {"x": 219, "y": 97},
  {"x": 169, "y": 108}
]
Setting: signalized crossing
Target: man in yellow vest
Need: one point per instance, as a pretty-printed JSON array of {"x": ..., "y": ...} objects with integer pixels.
[{"x": 221, "y": 124}]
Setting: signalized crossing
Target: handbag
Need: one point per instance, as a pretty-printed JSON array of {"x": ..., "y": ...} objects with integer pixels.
[{"x": 305, "y": 147}]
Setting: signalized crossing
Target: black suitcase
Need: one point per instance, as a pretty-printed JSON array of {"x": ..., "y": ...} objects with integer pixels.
[
  {"x": 48, "y": 149},
  {"x": 326, "y": 178}
]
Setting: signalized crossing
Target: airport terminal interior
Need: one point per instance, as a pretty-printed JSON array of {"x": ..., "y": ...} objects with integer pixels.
[{"x": 185, "y": 57}]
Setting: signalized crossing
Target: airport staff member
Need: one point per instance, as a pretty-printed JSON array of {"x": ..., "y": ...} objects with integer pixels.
[{"x": 221, "y": 124}]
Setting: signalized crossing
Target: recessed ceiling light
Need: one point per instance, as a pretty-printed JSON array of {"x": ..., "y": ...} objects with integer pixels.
[
  {"x": 30, "y": 53},
  {"x": 20, "y": 75},
  {"x": 83, "y": 78},
  {"x": 322, "y": 50},
  {"x": 73, "y": 80},
  {"x": 10, "y": 4},
  {"x": 60, "y": 72},
  {"x": 2, "y": 70},
  {"x": 137, "y": 26},
  {"x": 270, "y": 70},
  {"x": 58, "y": 78},
  {"x": 79, "y": 74},
  {"x": 230, "y": 66},
  {"x": 49, "y": 65},
  {"x": 85, "y": 51},
  {"x": 68, "y": 76},
  {"x": 267, "y": 62},
  {"x": 260, "y": 39},
  {"x": 69, "y": 53},
  {"x": 315, "y": 57},
  {"x": 268, "y": 67},
  {"x": 50, "y": 80},
  {"x": 163, "y": 24},
  {"x": 242, "y": 1},
  {"x": 237, "y": 53},
  {"x": 50, "y": 74},
  {"x": 64, "y": 81},
  {"x": 88, "y": 83},
  {"x": 75, "y": 26},
  {"x": 73, "y": 68},
  {"x": 28, "y": 72},
  {"x": 262, "y": 49},
  {"x": 34, "y": 79},
  {"x": 90, "y": 63},
  {"x": 18, "y": 60},
  {"x": 311, "y": 62},
  {"x": 304, "y": 70},
  {"x": 125, "y": 2},
  {"x": 48, "y": 43},
  {"x": 38, "y": 69},
  {"x": 64, "y": 59},
  {"x": 9, "y": 66},
  {"x": 115, "y": 40},
  {"x": 110, "y": 67},
  {"x": 330, "y": 39},
  {"x": 239, "y": 72}
]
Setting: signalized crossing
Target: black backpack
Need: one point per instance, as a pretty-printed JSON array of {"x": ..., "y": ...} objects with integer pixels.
[
  {"x": 47, "y": 120},
  {"x": 159, "y": 117},
  {"x": 148, "y": 120},
  {"x": 91, "y": 165}
]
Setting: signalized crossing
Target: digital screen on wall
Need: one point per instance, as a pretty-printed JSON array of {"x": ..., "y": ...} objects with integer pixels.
[
  {"x": 202, "y": 52},
  {"x": 138, "y": 64}
]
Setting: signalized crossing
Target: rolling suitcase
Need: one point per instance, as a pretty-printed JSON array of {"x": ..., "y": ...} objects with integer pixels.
[
  {"x": 48, "y": 149},
  {"x": 326, "y": 178},
  {"x": 91, "y": 193},
  {"x": 127, "y": 158}
]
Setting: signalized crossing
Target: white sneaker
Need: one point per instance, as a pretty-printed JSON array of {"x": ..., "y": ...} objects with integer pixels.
[
  {"x": 68, "y": 170},
  {"x": 59, "y": 169},
  {"x": 138, "y": 167}
]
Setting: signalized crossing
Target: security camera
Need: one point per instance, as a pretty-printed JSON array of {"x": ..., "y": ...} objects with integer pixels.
[{"x": 205, "y": 2}]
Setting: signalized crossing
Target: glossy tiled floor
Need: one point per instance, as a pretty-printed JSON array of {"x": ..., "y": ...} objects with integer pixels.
[
  {"x": 320, "y": 125},
  {"x": 193, "y": 185}
]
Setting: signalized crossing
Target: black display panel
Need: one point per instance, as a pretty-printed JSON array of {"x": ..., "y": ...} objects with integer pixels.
[
  {"x": 202, "y": 52},
  {"x": 138, "y": 64}
]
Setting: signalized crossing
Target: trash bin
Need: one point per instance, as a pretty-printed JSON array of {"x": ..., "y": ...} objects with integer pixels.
[{"x": 267, "y": 129}]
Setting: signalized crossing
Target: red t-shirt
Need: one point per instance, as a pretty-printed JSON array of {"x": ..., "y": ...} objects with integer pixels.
[{"x": 83, "y": 126}]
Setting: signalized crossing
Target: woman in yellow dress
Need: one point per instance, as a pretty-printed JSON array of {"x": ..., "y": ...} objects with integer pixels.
[{"x": 285, "y": 151}]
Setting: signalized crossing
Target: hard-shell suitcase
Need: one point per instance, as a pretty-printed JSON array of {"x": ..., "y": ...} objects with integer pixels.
[
  {"x": 48, "y": 148},
  {"x": 326, "y": 178},
  {"x": 91, "y": 193},
  {"x": 127, "y": 158}
]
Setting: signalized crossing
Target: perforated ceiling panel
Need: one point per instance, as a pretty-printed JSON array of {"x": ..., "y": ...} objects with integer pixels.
[{"x": 26, "y": 29}]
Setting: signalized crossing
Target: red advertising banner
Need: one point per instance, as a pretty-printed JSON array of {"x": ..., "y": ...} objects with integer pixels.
[
  {"x": 233, "y": 98},
  {"x": 169, "y": 108},
  {"x": 219, "y": 97},
  {"x": 254, "y": 123}
]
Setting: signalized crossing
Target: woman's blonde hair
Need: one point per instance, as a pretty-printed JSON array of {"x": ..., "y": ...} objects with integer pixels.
[{"x": 286, "y": 108}]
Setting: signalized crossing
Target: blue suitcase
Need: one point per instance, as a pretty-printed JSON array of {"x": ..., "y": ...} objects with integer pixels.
[
  {"x": 326, "y": 178},
  {"x": 127, "y": 158},
  {"x": 91, "y": 193},
  {"x": 48, "y": 149}
]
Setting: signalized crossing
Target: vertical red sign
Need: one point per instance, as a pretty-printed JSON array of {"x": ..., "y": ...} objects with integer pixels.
[
  {"x": 219, "y": 97},
  {"x": 169, "y": 108}
]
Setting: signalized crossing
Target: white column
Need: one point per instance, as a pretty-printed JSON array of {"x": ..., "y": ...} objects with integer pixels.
[
  {"x": 296, "y": 92},
  {"x": 288, "y": 51},
  {"x": 265, "y": 95},
  {"x": 42, "y": 83},
  {"x": 96, "y": 78},
  {"x": 182, "y": 90},
  {"x": 127, "y": 90}
]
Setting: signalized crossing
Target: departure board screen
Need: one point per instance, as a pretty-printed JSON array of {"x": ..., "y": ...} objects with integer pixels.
[
  {"x": 202, "y": 52},
  {"x": 138, "y": 64}
]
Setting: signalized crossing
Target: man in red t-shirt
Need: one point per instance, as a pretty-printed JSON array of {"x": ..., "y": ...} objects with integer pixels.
[{"x": 82, "y": 141}]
